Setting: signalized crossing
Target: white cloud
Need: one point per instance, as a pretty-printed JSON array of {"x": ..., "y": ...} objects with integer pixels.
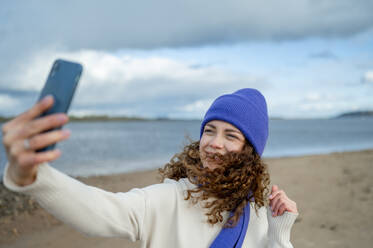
[
  {"x": 7, "y": 101},
  {"x": 321, "y": 107},
  {"x": 147, "y": 86},
  {"x": 199, "y": 106},
  {"x": 156, "y": 85},
  {"x": 8, "y": 104},
  {"x": 368, "y": 77},
  {"x": 313, "y": 96}
]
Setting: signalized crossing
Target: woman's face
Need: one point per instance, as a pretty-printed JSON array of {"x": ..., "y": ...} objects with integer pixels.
[{"x": 219, "y": 137}]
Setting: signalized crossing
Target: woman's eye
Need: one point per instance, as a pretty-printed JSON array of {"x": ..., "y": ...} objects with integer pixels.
[
  {"x": 208, "y": 131},
  {"x": 232, "y": 136}
]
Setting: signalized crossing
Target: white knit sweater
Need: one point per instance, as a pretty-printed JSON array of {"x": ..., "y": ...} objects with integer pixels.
[{"x": 157, "y": 215}]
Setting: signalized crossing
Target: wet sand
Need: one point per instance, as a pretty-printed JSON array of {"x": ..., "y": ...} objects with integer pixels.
[{"x": 334, "y": 193}]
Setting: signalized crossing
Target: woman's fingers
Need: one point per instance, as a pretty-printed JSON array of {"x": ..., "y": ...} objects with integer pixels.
[
  {"x": 44, "y": 124},
  {"x": 279, "y": 202},
  {"x": 277, "y": 199},
  {"x": 275, "y": 194},
  {"x": 48, "y": 156},
  {"x": 274, "y": 188},
  {"x": 280, "y": 209},
  {"x": 30, "y": 159},
  {"x": 39, "y": 141},
  {"x": 34, "y": 127},
  {"x": 32, "y": 113},
  {"x": 45, "y": 139}
]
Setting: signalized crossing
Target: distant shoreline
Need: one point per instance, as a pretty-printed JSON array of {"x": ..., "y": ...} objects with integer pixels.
[
  {"x": 110, "y": 118},
  {"x": 356, "y": 114}
]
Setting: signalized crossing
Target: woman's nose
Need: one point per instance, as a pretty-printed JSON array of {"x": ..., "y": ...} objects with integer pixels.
[{"x": 217, "y": 142}]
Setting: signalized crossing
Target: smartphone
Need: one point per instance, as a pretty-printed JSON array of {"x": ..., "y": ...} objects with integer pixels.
[{"x": 61, "y": 84}]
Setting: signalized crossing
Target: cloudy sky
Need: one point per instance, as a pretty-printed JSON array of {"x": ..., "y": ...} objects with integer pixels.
[{"x": 172, "y": 58}]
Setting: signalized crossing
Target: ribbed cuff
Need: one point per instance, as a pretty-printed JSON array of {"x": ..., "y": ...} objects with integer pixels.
[
  {"x": 42, "y": 188},
  {"x": 11, "y": 185},
  {"x": 279, "y": 228},
  {"x": 50, "y": 188}
]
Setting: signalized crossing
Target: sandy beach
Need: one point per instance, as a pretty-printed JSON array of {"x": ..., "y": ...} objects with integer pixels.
[{"x": 334, "y": 193}]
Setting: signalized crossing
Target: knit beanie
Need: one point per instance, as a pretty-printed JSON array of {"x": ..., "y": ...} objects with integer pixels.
[{"x": 246, "y": 109}]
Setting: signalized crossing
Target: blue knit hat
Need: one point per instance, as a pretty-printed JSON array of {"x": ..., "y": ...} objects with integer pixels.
[{"x": 246, "y": 109}]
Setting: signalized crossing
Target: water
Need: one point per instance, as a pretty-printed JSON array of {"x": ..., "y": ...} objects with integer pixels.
[{"x": 97, "y": 148}]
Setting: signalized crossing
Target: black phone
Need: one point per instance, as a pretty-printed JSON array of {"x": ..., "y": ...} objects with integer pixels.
[{"x": 61, "y": 84}]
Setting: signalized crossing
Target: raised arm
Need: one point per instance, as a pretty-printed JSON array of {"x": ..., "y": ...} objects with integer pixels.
[{"x": 88, "y": 209}]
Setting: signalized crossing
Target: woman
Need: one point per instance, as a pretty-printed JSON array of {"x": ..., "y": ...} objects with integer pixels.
[{"x": 214, "y": 193}]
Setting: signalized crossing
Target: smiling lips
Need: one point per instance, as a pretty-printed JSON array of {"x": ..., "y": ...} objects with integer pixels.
[{"x": 211, "y": 157}]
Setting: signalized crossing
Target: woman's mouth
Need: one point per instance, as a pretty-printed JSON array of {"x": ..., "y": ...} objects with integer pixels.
[{"x": 213, "y": 157}]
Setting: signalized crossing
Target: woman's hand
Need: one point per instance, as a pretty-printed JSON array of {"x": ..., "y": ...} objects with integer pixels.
[
  {"x": 279, "y": 202},
  {"x": 23, "y": 135}
]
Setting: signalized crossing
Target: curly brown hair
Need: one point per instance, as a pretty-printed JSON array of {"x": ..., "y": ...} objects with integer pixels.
[{"x": 240, "y": 178}]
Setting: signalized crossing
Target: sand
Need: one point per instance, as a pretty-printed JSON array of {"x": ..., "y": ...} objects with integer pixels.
[{"x": 334, "y": 194}]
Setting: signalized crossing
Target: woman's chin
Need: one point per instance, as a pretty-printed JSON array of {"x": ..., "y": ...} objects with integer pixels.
[{"x": 210, "y": 165}]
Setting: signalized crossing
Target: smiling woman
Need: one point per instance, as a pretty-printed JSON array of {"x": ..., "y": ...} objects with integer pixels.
[
  {"x": 233, "y": 177},
  {"x": 219, "y": 137},
  {"x": 205, "y": 199},
  {"x": 227, "y": 167}
]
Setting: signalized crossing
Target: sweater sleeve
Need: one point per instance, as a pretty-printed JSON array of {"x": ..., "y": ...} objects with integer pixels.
[
  {"x": 279, "y": 229},
  {"x": 88, "y": 209}
]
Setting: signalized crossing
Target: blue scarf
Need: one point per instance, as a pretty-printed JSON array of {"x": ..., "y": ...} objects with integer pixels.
[{"x": 233, "y": 237}]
